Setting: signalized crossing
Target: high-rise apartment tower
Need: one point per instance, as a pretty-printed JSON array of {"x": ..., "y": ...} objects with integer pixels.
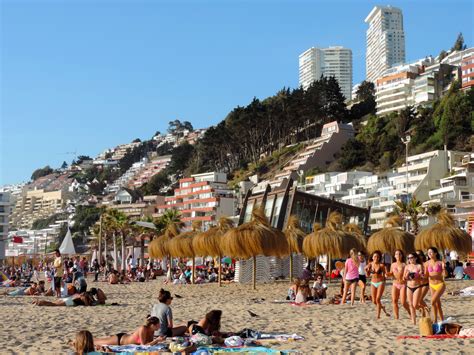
[
  {"x": 332, "y": 61},
  {"x": 385, "y": 41}
]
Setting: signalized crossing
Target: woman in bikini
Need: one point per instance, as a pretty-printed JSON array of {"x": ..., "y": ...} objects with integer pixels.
[
  {"x": 399, "y": 290},
  {"x": 413, "y": 275},
  {"x": 210, "y": 325},
  {"x": 434, "y": 268},
  {"x": 141, "y": 336},
  {"x": 425, "y": 286},
  {"x": 351, "y": 276},
  {"x": 377, "y": 285}
]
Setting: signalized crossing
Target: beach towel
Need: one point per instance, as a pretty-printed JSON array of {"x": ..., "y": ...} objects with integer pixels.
[
  {"x": 242, "y": 350},
  {"x": 3, "y": 277},
  {"x": 438, "y": 336},
  {"x": 137, "y": 349}
]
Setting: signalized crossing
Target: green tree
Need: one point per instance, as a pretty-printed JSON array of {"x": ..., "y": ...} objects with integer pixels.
[
  {"x": 41, "y": 172},
  {"x": 156, "y": 183},
  {"x": 459, "y": 43},
  {"x": 81, "y": 158},
  {"x": 64, "y": 165},
  {"x": 180, "y": 158},
  {"x": 353, "y": 154}
]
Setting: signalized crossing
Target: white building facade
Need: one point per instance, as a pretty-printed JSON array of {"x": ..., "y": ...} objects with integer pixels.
[
  {"x": 332, "y": 61},
  {"x": 385, "y": 41},
  {"x": 4, "y": 213}
]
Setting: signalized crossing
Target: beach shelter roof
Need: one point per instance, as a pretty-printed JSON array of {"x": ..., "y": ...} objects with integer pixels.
[
  {"x": 209, "y": 242},
  {"x": 331, "y": 239},
  {"x": 182, "y": 245},
  {"x": 254, "y": 238},
  {"x": 67, "y": 246},
  {"x": 444, "y": 235},
  {"x": 294, "y": 235},
  {"x": 158, "y": 247},
  {"x": 355, "y": 230},
  {"x": 391, "y": 238}
]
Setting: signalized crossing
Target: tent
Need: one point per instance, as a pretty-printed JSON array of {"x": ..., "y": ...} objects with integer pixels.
[{"x": 67, "y": 246}]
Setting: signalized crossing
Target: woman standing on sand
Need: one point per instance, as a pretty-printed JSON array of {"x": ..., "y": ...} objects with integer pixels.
[
  {"x": 351, "y": 276},
  {"x": 434, "y": 268},
  {"x": 377, "y": 271},
  {"x": 362, "y": 276},
  {"x": 399, "y": 290},
  {"x": 413, "y": 274}
]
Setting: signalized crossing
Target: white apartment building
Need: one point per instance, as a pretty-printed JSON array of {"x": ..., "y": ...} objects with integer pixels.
[
  {"x": 385, "y": 41},
  {"x": 332, "y": 185},
  {"x": 332, "y": 61},
  {"x": 128, "y": 176},
  {"x": 4, "y": 213}
]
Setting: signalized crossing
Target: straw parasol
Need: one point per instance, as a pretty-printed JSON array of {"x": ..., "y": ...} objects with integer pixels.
[
  {"x": 158, "y": 247},
  {"x": 331, "y": 240},
  {"x": 182, "y": 244},
  {"x": 208, "y": 242},
  {"x": 294, "y": 236},
  {"x": 254, "y": 238},
  {"x": 444, "y": 235},
  {"x": 355, "y": 230},
  {"x": 391, "y": 238}
]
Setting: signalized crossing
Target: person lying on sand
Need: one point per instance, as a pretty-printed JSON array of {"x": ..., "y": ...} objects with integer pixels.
[
  {"x": 209, "y": 325},
  {"x": 71, "y": 301},
  {"x": 24, "y": 291},
  {"x": 143, "y": 335}
]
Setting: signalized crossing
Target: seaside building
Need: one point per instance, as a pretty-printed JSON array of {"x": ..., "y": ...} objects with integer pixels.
[
  {"x": 202, "y": 197},
  {"x": 134, "y": 205},
  {"x": 122, "y": 149},
  {"x": 36, "y": 204},
  {"x": 385, "y": 41},
  {"x": 332, "y": 61},
  {"x": 4, "y": 213},
  {"x": 319, "y": 153},
  {"x": 467, "y": 69},
  {"x": 149, "y": 170}
]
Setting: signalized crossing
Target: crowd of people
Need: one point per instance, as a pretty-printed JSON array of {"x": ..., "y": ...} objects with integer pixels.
[{"x": 413, "y": 277}]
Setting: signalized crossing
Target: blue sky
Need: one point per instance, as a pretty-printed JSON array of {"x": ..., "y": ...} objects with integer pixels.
[{"x": 87, "y": 75}]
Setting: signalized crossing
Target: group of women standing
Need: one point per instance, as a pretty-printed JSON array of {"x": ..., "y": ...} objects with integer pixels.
[{"x": 412, "y": 278}]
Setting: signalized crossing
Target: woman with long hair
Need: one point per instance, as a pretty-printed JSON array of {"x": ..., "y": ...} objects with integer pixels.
[
  {"x": 425, "y": 288},
  {"x": 362, "y": 276},
  {"x": 351, "y": 276},
  {"x": 376, "y": 269},
  {"x": 413, "y": 275},
  {"x": 84, "y": 343},
  {"x": 399, "y": 290},
  {"x": 434, "y": 268},
  {"x": 210, "y": 325},
  {"x": 143, "y": 335}
]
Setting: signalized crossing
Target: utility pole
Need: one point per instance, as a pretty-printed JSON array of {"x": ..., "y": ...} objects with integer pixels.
[
  {"x": 406, "y": 141},
  {"x": 99, "y": 257}
]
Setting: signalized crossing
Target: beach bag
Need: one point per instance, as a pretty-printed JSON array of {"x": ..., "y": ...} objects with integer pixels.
[
  {"x": 201, "y": 339},
  {"x": 426, "y": 326},
  {"x": 234, "y": 341},
  {"x": 439, "y": 328},
  {"x": 452, "y": 328}
]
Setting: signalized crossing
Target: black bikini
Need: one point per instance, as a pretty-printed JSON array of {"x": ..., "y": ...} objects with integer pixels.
[{"x": 119, "y": 337}]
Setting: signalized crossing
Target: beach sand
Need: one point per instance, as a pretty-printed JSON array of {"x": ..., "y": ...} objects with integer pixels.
[{"x": 25, "y": 328}]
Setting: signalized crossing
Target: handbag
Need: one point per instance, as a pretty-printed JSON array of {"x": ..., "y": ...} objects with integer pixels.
[
  {"x": 426, "y": 326},
  {"x": 439, "y": 328}
]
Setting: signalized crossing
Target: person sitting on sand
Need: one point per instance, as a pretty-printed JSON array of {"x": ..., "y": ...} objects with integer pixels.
[
  {"x": 84, "y": 343},
  {"x": 143, "y": 335},
  {"x": 71, "y": 301},
  {"x": 319, "y": 288},
  {"x": 113, "y": 278},
  {"x": 162, "y": 311},
  {"x": 293, "y": 290},
  {"x": 303, "y": 293},
  {"x": 97, "y": 295},
  {"x": 210, "y": 325}
]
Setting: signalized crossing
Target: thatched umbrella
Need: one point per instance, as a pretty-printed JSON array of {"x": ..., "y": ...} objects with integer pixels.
[
  {"x": 158, "y": 247},
  {"x": 355, "y": 230},
  {"x": 444, "y": 235},
  {"x": 330, "y": 240},
  {"x": 208, "y": 243},
  {"x": 254, "y": 238},
  {"x": 182, "y": 244},
  {"x": 391, "y": 238},
  {"x": 294, "y": 236}
]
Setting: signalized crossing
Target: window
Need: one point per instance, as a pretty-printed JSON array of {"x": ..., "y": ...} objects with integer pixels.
[
  {"x": 248, "y": 211},
  {"x": 276, "y": 211}
]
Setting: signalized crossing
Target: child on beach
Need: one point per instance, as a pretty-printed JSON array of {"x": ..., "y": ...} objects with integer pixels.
[{"x": 162, "y": 311}]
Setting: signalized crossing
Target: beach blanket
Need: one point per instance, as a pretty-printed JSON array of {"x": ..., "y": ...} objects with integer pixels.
[
  {"x": 242, "y": 350},
  {"x": 137, "y": 349},
  {"x": 436, "y": 336}
]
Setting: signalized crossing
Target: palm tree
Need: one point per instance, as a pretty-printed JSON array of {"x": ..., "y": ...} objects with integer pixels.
[{"x": 410, "y": 210}]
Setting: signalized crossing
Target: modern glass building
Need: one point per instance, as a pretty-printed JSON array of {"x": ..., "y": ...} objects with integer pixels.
[{"x": 284, "y": 201}]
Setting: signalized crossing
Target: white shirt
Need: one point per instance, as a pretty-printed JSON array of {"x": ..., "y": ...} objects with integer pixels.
[{"x": 362, "y": 266}]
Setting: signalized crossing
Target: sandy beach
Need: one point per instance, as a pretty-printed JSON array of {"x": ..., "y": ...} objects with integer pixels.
[{"x": 26, "y": 328}]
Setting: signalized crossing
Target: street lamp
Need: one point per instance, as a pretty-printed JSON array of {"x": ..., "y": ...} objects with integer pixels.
[{"x": 406, "y": 141}]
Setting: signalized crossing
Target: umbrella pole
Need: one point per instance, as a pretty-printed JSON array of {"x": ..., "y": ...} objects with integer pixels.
[
  {"x": 219, "y": 276},
  {"x": 193, "y": 274},
  {"x": 291, "y": 266},
  {"x": 254, "y": 272},
  {"x": 329, "y": 267}
]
